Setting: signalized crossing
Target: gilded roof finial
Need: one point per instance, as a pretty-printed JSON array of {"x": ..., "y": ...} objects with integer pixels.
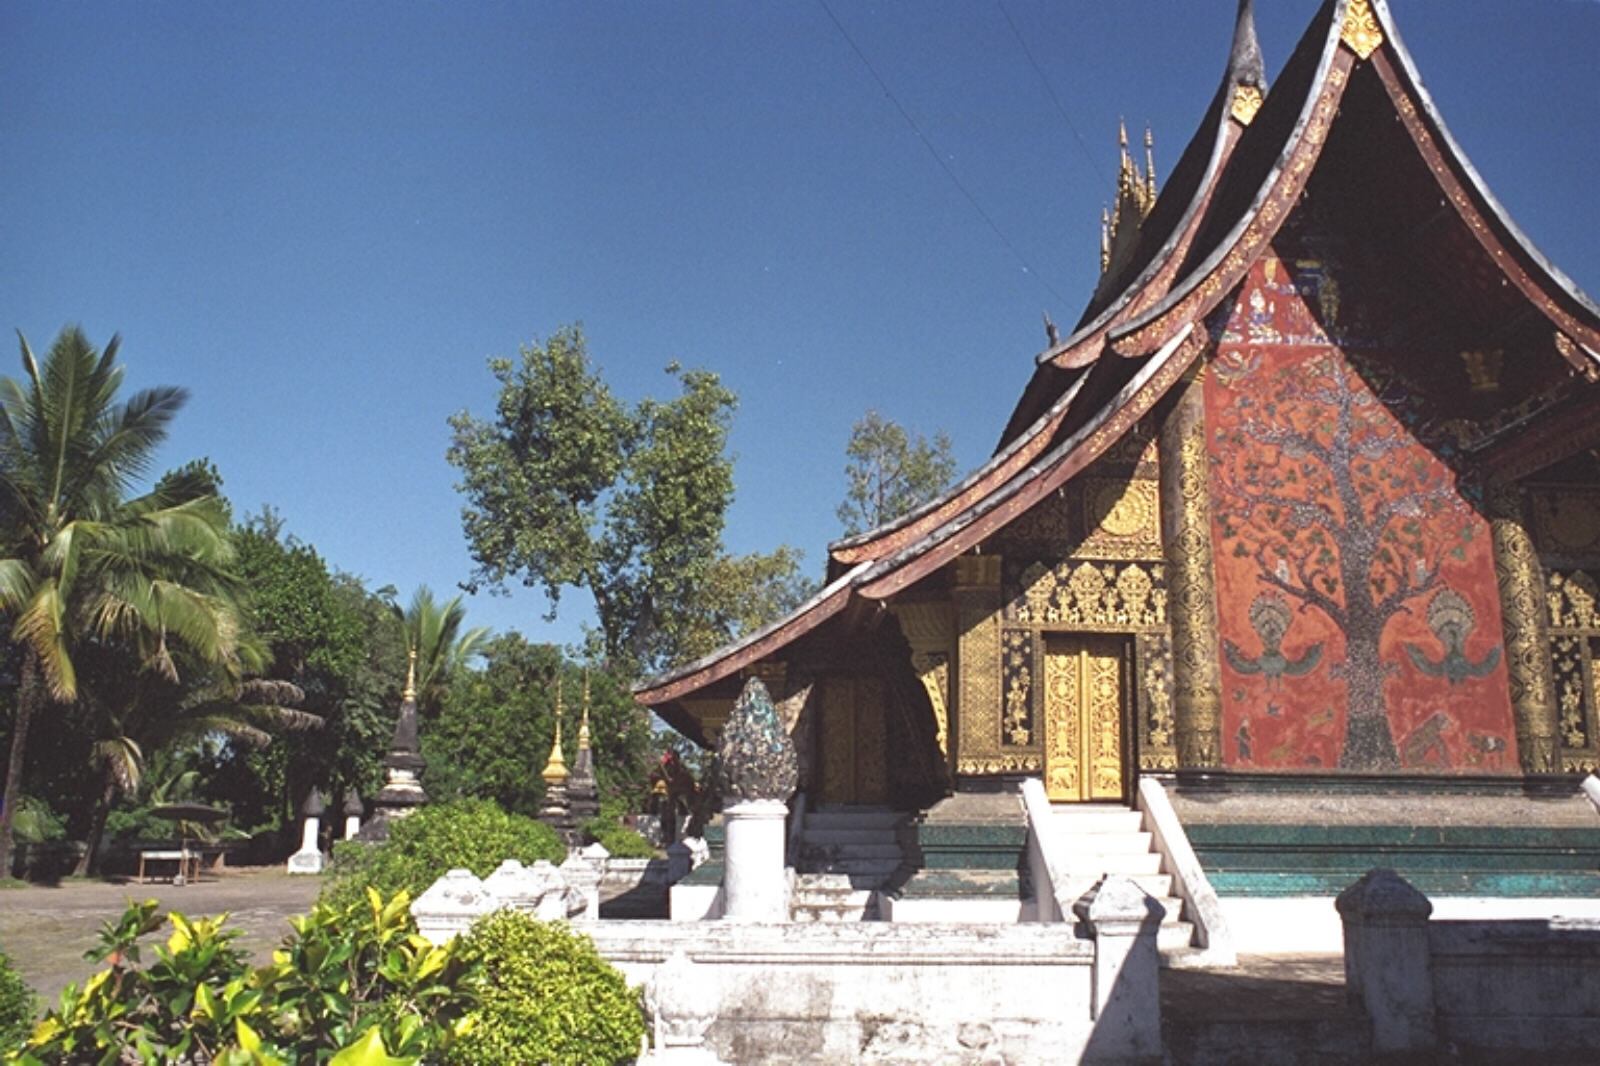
[
  {"x": 1149, "y": 165},
  {"x": 410, "y": 692},
  {"x": 1105, "y": 239},
  {"x": 555, "y": 771},
  {"x": 583, "y": 729}
]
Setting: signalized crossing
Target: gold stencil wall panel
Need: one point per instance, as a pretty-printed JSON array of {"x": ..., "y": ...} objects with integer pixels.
[{"x": 1573, "y": 600}]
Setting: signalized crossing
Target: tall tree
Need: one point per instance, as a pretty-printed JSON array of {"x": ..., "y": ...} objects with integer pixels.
[
  {"x": 81, "y": 562},
  {"x": 890, "y": 472},
  {"x": 433, "y": 631},
  {"x": 569, "y": 487}
]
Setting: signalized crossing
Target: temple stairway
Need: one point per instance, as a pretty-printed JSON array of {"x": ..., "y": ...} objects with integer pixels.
[
  {"x": 844, "y": 855},
  {"x": 1099, "y": 839}
]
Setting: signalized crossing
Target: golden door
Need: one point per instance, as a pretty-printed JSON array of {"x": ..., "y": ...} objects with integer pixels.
[{"x": 1083, "y": 686}]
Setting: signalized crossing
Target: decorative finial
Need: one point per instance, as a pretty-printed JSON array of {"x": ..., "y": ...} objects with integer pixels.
[
  {"x": 555, "y": 771},
  {"x": 1122, "y": 133},
  {"x": 1149, "y": 164},
  {"x": 1105, "y": 239},
  {"x": 1245, "y": 65},
  {"x": 410, "y": 692},
  {"x": 583, "y": 728}
]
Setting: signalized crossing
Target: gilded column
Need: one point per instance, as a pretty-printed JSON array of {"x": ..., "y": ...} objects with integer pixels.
[
  {"x": 1192, "y": 604},
  {"x": 977, "y": 709},
  {"x": 927, "y": 629},
  {"x": 1521, "y": 582}
]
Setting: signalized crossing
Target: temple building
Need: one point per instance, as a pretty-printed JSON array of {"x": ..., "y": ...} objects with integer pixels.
[{"x": 1311, "y": 490}]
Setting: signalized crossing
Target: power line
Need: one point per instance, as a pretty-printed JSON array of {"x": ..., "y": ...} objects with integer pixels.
[
  {"x": 937, "y": 158},
  {"x": 1048, "y": 88}
]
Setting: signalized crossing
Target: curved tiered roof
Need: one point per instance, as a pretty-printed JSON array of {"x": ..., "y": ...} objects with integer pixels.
[{"x": 1350, "y": 85}]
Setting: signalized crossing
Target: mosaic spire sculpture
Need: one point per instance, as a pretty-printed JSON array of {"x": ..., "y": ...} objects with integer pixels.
[
  {"x": 757, "y": 758},
  {"x": 583, "y": 792}
]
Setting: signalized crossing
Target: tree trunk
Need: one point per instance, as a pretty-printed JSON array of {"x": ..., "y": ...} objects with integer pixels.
[
  {"x": 28, "y": 697},
  {"x": 89, "y": 861}
]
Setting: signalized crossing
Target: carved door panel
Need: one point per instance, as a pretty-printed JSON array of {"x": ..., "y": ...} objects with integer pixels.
[
  {"x": 853, "y": 741},
  {"x": 1085, "y": 679}
]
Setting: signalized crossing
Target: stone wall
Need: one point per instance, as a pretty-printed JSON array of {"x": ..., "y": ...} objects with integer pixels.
[{"x": 1480, "y": 987}]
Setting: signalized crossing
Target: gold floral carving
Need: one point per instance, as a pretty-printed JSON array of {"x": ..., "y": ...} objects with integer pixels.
[
  {"x": 1123, "y": 519},
  {"x": 1185, "y": 495},
  {"x": 1246, "y": 102},
  {"x": 1093, "y": 595},
  {"x": 1518, "y": 577},
  {"x": 1361, "y": 31},
  {"x": 1016, "y": 722},
  {"x": 1156, "y": 725},
  {"x": 1570, "y": 598},
  {"x": 1083, "y": 719},
  {"x": 926, "y": 627},
  {"x": 978, "y": 666},
  {"x": 872, "y": 747}
]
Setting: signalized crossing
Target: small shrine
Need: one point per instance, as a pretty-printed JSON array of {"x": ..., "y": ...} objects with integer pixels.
[{"x": 402, "y": 791}]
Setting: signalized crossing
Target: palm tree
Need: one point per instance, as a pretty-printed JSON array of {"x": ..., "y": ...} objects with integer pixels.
[
  {"x": 78, "y": 562},
  {"x": 151, "y": 715},
  {"x": 433, "y": 632}
]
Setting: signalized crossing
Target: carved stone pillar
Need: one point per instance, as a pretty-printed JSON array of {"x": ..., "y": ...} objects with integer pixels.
[
  {"x": 1522, "y": 605},
  {"x": 977, "y": 710},
  {"x": 1192, "y": 604},
  {"x": 926, "y": 627}
]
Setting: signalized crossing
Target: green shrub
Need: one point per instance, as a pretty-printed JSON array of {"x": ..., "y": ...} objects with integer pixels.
[
  {"x": 472, "y": 834},
  {"x": 543, "y": 994},
  {"x": 16, "y": 1005},
  {"x": 351, "y": 986},
  {"x": 619, "y": 840}
]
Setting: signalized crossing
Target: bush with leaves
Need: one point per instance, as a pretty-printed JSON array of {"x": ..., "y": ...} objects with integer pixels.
[
  {"x": 16, "y": 1005},
  {"x": 542, "y": 993},
  {"x": 352, "y": 987},
  {"x": 469, "y": 834},
  {"x": 620, "y": 841}
]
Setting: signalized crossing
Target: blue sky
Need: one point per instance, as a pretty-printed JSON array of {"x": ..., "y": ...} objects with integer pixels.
[{"x": 323, "y": 218}]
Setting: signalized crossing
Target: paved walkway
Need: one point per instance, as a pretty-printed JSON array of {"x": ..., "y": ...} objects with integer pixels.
[{"x": 46, "y": 930}]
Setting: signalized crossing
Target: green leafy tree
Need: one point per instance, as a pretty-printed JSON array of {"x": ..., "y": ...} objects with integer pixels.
[
  {"x": 891, "y": 472},
  {"x": 433, "y": 630},
  {"x": 495, "y": 731},
  {"x": 567, "y": 486},
  {"x": 80, "y": 561}
]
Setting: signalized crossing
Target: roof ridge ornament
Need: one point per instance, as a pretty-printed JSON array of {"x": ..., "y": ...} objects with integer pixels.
[
  {"x": 1361, "y": 31},
  {"x": 1246, "y": 69}
]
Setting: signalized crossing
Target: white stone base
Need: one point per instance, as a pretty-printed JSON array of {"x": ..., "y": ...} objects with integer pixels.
[
  {"x": 307, "y": 862},
  {"x": 876, "y": 992},
  {"x": 1309, "y": 925},
  {"x": 694, "y": 903},
  {"x": 961, "y": 911},
  {"x": 755, "y": 886}
]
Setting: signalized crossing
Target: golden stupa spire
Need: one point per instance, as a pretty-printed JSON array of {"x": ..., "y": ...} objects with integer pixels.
[
  {"x": 555, "y": 771},
  {"x": 410, "y": 692},
  {"x": 583, "y": 729}
]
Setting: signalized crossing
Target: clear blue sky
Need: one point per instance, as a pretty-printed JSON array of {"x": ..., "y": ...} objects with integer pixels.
[{"x": 322, "y": 218}]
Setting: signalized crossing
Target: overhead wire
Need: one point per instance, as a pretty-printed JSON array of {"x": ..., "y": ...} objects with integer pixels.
[
  {"x": 1050, "y": 90},
  {"x": 950, "y": 173}
]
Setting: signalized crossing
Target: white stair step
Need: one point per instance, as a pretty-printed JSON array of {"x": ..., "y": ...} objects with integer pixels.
[
  {"x": 1135, "y": 864},
  {"x": 1103, "y": 843},
  {"x": 853, "y": 818},
  {"x": 1174, "y": 935},
  {"x": 1079, "y": 818}
]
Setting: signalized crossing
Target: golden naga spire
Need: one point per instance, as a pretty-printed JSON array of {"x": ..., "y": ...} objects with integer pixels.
[
  {"x": 555, "y": 771},
  {"x": 1136, "y": 195},
  {"x": 410, "y": 692},
  {"x": 583, "y": 729}
]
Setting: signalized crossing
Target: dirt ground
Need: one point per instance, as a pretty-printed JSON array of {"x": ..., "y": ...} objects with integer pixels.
[{"x": 46, "y": 929}]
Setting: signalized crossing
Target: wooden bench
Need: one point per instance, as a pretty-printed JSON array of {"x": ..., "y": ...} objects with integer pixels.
[{"x": 188, "y": 860}]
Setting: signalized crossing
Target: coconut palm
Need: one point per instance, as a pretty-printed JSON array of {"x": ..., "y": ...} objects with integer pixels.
[
  {"x": 140, "y": 719},
  {"x": 433, "y": 633},
  {"x": 80, "y": 563}
]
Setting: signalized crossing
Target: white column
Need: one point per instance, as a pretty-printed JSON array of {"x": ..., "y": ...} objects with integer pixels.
[
  {"x": 308, "y": 860},
  {"x": 755, "y": 886},
  {"x": 1127, "y": 995}
]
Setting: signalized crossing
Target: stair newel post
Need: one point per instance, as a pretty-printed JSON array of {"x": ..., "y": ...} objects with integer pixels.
[{"x": 759, "y": 772}]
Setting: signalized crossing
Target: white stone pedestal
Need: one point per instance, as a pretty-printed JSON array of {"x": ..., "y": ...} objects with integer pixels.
[
  {"x": 755, "y": 888},
  {"x": 308, "y": 860}
]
